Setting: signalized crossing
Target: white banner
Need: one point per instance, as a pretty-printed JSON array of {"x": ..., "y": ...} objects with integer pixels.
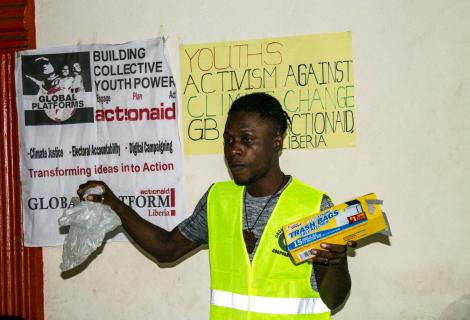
[{"x": 98, "y": 112}]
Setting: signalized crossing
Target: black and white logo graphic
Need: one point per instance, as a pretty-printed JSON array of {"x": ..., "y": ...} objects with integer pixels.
[{"x": 58, "y": 84}]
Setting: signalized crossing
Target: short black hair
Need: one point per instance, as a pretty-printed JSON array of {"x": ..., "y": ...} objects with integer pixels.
[{"x": 266, "y": 106}]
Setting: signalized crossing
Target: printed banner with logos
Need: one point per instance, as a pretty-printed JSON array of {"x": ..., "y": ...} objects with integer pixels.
[
  {"x": 98, "y": 112},
  {"x": 311, "y": 76}
]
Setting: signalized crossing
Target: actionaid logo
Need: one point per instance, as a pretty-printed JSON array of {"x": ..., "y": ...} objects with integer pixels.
[
  {"x": 137, "y": 114},
  {"x": 158, "y": 202}
]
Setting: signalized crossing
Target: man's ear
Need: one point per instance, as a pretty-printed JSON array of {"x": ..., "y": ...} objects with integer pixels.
[{"x": 278, "y": 141}]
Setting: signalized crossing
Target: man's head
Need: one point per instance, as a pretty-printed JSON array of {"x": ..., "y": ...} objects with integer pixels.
[
  {"x": 65, "y": 71},
  {"x": 76, "y": 68},
  {"x": 45, "y": 65},
  {"x": 253, "y": 137},
  {"x": 266, "y": 106}
]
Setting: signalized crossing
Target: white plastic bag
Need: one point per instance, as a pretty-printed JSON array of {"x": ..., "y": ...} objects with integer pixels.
[{"x": 89, "y": 222}]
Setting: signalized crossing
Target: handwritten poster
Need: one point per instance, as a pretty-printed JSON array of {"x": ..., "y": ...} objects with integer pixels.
[
  {"x": 98, "y": 112},
  {"x": 312, "y": 77}
]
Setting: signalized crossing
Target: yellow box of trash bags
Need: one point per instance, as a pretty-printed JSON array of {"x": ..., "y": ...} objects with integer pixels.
[{"x": 352, "y": 220}]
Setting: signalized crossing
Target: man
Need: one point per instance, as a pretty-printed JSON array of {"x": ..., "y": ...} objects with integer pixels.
[
  {"x": 241, "y": 221},
  {"x": 48, "y": 80},
  {"x": 66, "y": 80},
  {"x": 77, "y": 83}
]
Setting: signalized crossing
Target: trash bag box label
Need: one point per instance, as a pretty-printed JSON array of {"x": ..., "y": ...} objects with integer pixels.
[{"x": 352, "y": 220}]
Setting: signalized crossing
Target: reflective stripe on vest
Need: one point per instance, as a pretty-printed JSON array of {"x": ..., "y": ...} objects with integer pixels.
[{"x": 267, "y": 304}]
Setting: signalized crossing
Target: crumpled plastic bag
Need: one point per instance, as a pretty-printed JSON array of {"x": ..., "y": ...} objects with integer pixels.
[{"x": 89, "y": 222}]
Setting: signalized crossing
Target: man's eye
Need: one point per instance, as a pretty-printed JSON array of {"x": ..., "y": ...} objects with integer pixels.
[
  {"x": 247, "y": 139},
  {"x": 228, "y": 140}
]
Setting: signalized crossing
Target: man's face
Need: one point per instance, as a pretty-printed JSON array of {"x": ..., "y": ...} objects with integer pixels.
[
  {"x": 47, "y": 68},
  {"x": 250, "y": 147},
  {"x": 76, "y": 67},
  {"x": 65, "y": 70}
]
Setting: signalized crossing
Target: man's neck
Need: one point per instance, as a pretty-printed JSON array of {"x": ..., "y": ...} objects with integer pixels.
[{"x": 267, "y": 186}]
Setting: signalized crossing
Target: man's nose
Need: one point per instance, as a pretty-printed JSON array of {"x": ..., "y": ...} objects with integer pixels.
[{"x": 236, "y": 148}]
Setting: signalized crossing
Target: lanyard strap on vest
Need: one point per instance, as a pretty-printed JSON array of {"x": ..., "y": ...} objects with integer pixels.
[{"x": 267, "y": 304}]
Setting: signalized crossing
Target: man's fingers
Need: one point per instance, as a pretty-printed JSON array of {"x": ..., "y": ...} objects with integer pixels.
[
  {"x": 95, "y": 197},
  {"x": 90, "y": 184},
  {"x": 330, "y": 253},
  {"x": 326, "y": 259},
  {"x": 352, "y": 244},
  {"x": 327, "y": 255},
  {"x": 337, "y": 248}
]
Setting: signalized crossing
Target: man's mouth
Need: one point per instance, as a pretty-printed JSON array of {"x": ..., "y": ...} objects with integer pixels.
[{"x": 237, "y": 166}]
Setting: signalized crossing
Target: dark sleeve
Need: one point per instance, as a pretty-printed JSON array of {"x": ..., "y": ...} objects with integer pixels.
[{"x": 194, "y": 228}]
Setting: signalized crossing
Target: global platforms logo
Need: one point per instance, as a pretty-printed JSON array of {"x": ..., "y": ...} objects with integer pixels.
[{"x": 55, "y": 86}]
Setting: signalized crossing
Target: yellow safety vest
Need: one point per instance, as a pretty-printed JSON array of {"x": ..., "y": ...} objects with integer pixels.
[{"x": 272, "y": 286}]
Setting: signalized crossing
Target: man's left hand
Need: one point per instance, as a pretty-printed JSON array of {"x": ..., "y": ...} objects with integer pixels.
[{"x": 331, "y": 254}]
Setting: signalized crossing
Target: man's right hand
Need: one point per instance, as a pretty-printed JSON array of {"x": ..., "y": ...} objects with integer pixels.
[
  {"x": 165, "y": 246},
  {"x": 107, "y": 197}
]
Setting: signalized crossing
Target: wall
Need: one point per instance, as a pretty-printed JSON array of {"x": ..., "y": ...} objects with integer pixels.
[{"x": 411, "y": 79}]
